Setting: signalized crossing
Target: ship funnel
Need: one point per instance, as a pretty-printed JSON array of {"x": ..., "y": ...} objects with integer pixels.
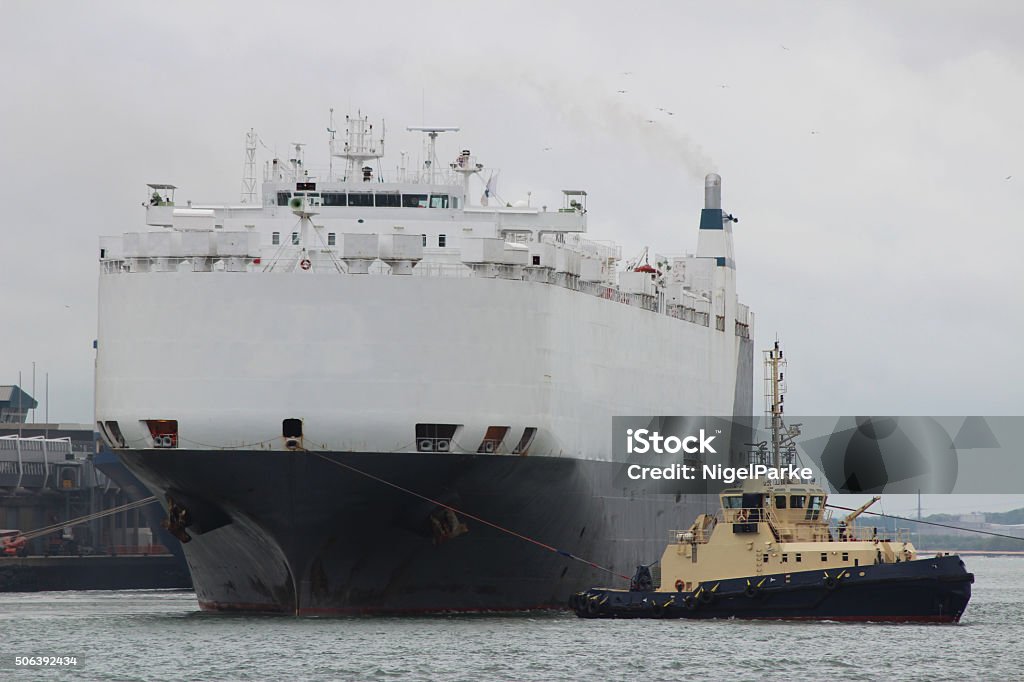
[{"x": 712, "y": 190}]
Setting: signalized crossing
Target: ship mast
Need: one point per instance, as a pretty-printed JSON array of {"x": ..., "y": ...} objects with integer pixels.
[
  {"x": 357, "y": 147},
  {"x": 783, "y": 436}
]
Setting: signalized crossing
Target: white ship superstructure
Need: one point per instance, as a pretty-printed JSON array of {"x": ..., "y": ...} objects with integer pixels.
[{"x": 397, "y": 314}]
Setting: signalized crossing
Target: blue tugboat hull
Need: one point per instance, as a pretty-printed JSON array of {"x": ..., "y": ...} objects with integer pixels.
[{"x": 924, "y": 590}]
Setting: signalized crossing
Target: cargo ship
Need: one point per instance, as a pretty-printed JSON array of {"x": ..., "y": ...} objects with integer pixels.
[{"x": 313, "y": 378}]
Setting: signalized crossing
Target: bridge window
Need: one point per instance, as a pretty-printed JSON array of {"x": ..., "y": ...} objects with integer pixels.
[
  {"x": 335, "y": 199},
  {"x": 441, "y": 240},
  {"x": 275, "y": 238},
  {"x": 414, "y": 200},
  {"x": 361, "y": 199},
  {"x": 282, "y": 198},
  {"x": 388, "y": 200},
  {"x": 438, "y": 201},
  {"x": 797, "y": 501}
]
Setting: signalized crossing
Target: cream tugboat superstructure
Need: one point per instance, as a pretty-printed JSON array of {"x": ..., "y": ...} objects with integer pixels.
[{"x": 772, "y": 552}]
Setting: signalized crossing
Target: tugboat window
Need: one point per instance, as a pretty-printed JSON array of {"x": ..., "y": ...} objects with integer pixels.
[
  {"x": 291, "y": 428},
  {"x": 780, "y": 501},
  {"x": 785, "y": 558},
  {"x": 814, "y": 510},
  {"x": 798, "y": 557},
  {"x": 797, "y": 501},
  {"x": 732, "y": 502}
]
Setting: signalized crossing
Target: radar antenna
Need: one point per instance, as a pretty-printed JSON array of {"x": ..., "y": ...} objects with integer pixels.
[{"x": 430, "y": 164}]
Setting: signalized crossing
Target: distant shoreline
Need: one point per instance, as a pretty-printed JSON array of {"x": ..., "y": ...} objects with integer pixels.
[{"x": 973, "y": 552}]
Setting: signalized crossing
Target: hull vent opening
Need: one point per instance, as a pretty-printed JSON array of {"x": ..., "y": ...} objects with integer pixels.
[
  {"x": 291, "y": 431},
  {"x": 435, "y": 437},
  {"x": 163, "y": 432},
  {"x": 493, "y": 439},
  {"x": 523, "y": 447}
]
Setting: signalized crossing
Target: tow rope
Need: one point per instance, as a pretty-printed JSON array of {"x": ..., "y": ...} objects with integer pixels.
[
  {"x": 931, "y": 523},
  {"x": 561, "y": 552}
]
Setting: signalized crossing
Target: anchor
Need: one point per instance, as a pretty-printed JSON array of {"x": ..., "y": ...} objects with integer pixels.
[{"x": 178, "y": 519}]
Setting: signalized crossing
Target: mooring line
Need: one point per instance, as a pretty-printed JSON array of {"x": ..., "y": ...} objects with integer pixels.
[{"x": 562, "y": 552}]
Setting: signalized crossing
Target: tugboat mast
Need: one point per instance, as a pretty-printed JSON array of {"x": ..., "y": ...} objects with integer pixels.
[{"x": 775, "y": 389}]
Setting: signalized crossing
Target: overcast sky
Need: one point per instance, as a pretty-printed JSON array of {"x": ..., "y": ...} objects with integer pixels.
[{"x": 872, "y": 151}]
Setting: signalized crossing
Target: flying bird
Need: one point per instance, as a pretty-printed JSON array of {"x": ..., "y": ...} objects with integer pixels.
[
  {"x": 627, "y": 73},
  {"x": 650, "y": 120},
  {"x": 546, "y": 149},
  {"x": 1008, "y": 177},
  {"x": 814, "y": 132},
  {"x": 622, "y": 92},
  {"x": 784, "y": 48}
]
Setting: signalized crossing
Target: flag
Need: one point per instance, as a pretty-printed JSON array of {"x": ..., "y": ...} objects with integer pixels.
[{"x": 489, "y": 190}]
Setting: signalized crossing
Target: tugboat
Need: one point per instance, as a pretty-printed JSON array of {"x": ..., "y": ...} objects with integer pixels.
[{"x": 771, "y": 552}]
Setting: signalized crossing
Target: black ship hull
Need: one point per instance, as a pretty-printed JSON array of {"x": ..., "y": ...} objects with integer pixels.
[
  {"x": 925, "y": 590},
  {"x": 294, "y": 532}
]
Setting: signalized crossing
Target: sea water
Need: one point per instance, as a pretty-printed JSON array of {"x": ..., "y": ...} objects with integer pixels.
[{"x": 162, "y": 635}]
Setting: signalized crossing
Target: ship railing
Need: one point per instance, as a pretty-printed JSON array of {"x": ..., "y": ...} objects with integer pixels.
[
  {"x": 432, "y": 269},
  {"x": 864, "y": 533}
]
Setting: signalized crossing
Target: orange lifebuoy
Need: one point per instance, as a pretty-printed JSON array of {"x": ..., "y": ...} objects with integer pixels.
[{"x": 305, "y": 264}]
